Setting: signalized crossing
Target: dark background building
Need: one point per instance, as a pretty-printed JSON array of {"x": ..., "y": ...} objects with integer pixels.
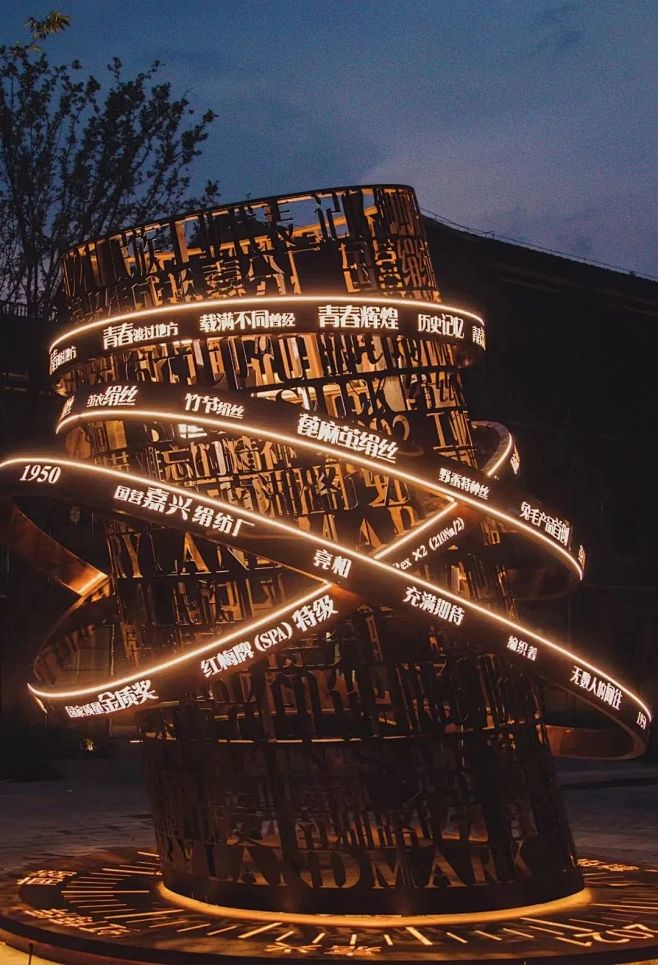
[{"x": 570, "y": 369}]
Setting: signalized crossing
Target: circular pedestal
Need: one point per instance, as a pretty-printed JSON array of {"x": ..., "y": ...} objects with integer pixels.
[
  {"x": 420, "y": 824},
  {"x": 112, "y": 907}
]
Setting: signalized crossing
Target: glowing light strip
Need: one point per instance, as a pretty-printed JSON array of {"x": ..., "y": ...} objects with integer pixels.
[
  {"x": 505, "y": 448},
  {"x": 551, "y": 531},
  {"x": 433, "y": 603},
  {"x": 582, "y": 897},
  {"x": 251, "y": 628},
  {"x": 298, "y": 534},
  {"x": 186, "y": 657},
  {"x": 223, "y": 304},
  {"x": 490, "y": 470},
  {"x": 314, "y": 445}
]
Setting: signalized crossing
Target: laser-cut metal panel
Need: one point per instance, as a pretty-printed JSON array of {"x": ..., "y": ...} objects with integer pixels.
[
  {"x": 360, "y": 240},
  {"x": 377, "y": 762}
]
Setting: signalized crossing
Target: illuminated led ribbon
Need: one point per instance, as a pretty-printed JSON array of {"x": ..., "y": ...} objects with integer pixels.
[
  {"x": 290, "y": 425},
  {"x": 344, "y": 315},
  {"x": 368, "y": 577},
  {"x": 185, "y": 322},
  {"x": 344, "y": 603}
]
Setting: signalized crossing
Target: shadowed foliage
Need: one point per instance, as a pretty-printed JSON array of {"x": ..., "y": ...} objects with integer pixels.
[{"x": 79, "y": 158}]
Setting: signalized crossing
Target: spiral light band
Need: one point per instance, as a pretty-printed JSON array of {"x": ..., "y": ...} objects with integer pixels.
[
  {"x": 345, "y": 577},
  {"x": 283, "y": 424},
  {"x": 271, "y": 316}
]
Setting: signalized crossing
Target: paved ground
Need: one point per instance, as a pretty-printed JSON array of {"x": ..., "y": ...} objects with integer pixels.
[
  {"x": 613, "y": 809},
  {"x": 97, "y": 803},
  {"x": 12, "y": 956}
]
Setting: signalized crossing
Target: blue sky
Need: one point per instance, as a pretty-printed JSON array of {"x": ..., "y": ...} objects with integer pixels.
[{"x": 531, "y": 118}]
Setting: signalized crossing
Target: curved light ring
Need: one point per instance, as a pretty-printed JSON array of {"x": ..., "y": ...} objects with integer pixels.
[
  {"x": 85, "y": 342},
  {"x": 464, "y": 337},
  {"x": 241, "y": 632},
  {"x": 376, "y": 465},
  {"x": 498, "y": 459},
  {"x": 240, "y": 302},
  {"x": 577, "y": 900},
  {"x": 500, "y": 456},
  {"x": 487, "y": 617}
]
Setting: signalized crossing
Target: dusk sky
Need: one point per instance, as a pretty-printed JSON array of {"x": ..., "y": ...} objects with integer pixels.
[{"x": 535, "y": 119}]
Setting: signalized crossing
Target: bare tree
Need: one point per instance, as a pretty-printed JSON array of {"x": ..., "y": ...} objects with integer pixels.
[{"x": 78, "y": 160}]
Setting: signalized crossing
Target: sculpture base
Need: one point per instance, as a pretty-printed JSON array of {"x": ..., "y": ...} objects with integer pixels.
[{"x": 112, "y": 907}]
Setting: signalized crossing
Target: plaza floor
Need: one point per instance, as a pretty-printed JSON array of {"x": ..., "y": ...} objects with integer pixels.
[{"x": 613, "y": 810}]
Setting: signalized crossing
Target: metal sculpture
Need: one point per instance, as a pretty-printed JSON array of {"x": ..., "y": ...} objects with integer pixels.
[{"x": 314, "y": 558}]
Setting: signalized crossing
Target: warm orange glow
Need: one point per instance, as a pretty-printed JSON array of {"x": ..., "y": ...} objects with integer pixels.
[
  {"x": 241, "y": 632},
  {"x": 260, "y": 301},
  {"x": 577, "y": 900},
  {"x": 316, "y": 446},
  {"x": 291, "y": 530}
]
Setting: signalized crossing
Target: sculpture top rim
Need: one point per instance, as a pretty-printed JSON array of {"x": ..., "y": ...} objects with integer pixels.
[{"x": 244, "y": 202}]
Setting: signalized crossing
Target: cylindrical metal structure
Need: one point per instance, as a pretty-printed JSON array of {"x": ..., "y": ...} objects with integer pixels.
[{"x": 377, "y": 766}]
